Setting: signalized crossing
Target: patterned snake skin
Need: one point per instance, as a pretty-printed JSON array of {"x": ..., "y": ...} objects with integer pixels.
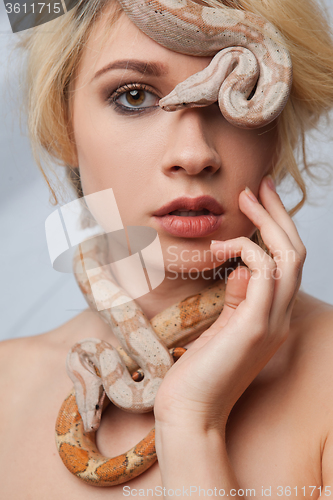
[
  {"x": 97, "y": 368},
  {"x": 251, "y": 59}
]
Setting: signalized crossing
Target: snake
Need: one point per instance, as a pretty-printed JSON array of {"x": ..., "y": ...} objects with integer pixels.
[
  {"x": 148, "y": 349},
  {"x": 250, "y": 76}
]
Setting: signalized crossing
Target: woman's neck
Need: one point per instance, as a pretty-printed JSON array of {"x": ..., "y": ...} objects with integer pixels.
[{"x": 174, "y": 289}]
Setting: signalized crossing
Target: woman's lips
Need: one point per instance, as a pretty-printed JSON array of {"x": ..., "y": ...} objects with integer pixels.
[
  {"x": 190, "y": 227},
  {"x": 175, "y": 222}
]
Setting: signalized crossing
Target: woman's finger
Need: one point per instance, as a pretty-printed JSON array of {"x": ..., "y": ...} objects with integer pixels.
[
  {"x": 274, "y": 206},
  {"x": 288, "y": 260},
  {"x": 274, "y": 236}
]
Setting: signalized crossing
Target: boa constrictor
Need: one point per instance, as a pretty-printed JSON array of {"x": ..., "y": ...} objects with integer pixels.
[
  {"x": 251, "y": 73},
  {"x": 97, "y": 368},
  {"x": 251, "y": 78}
]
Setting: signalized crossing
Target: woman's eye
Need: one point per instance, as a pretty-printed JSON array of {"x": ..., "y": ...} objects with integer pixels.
[{"x": 135, "y": 98}]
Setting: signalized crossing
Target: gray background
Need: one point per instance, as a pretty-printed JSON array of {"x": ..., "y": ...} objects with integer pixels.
[{"x": 34, "y": 297}]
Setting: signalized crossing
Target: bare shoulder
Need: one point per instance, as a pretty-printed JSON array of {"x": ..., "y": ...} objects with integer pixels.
[
  {"x": 312, "y": 319},
  {"x": 26, "y": 360},
  {"x": 315, "y": 332},
  {"x": 24, "y": 350},
  {"x": 15, "y": 355},
  {"x": 311, "y": 354},
  {"x": 304, "y": 361}
]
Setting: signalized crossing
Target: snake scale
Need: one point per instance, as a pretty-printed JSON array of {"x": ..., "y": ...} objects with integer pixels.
[{"x": 250, "y": 75}]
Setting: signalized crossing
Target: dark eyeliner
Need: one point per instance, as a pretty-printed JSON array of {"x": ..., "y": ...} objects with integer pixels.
[{"x": 116, "y": 94}]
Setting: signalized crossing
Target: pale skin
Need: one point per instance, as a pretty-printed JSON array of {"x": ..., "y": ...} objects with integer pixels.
[{"x": 250, "y": 404}]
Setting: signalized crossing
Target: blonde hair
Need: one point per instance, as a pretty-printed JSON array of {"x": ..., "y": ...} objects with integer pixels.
[{"x": 54, "y": 56}]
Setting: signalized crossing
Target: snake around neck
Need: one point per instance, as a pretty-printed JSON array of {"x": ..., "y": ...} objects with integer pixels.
[
  {"x": 250, "y": 75},
  {"x": 97, "y": 369}
]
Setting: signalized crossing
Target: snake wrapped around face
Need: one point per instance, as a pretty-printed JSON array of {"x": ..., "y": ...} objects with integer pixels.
[{"x": 250, "y": 74}]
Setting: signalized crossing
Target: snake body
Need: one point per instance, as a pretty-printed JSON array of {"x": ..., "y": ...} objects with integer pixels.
[
  {"x": 250, "y": 75},
  {"x": 250, "y": 57},
  {"x": 97, "y": 368}
]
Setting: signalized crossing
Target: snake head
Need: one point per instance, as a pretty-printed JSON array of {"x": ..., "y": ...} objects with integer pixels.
[
  {"x": 89, "y": 390},
  {"x": 91, "y": 418},
  {"x": 196, "y": 91}
]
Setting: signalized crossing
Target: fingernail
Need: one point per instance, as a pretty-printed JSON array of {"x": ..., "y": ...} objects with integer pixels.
[
  {"x": 270, "y": 182},
  {"x": 214, "y": 242},
  {"x": 250, "y": 194}
]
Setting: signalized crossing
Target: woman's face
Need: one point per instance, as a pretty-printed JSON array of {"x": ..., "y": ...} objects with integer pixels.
[{"x": 151, "y": 157}]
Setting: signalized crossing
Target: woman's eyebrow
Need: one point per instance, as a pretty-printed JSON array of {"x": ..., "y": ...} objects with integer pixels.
[{"x": 146, "y": 68}]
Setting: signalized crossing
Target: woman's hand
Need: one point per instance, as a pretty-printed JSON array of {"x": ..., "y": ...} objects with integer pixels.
[{"x": 203, "y": 386}]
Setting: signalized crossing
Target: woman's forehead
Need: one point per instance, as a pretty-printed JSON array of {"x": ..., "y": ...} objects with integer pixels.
[{"x": 116, "y": 40}]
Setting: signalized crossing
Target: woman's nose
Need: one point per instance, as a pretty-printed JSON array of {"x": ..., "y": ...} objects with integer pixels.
[{"x": 190, "y": 144}]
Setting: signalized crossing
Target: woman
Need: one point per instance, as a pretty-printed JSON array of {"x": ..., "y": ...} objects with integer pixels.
[{"x": 247, "y": 410}]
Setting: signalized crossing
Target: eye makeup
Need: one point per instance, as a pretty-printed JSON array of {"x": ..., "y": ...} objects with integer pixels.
[{"x": 127, "y": 98}]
